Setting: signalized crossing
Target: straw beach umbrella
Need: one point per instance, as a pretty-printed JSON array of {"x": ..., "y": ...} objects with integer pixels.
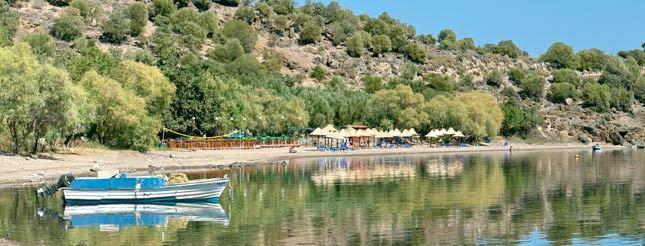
[{"x": 450, "y": 131}]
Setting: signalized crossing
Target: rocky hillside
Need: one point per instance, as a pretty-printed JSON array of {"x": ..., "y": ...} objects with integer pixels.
[{"x": 467, "y": 67}]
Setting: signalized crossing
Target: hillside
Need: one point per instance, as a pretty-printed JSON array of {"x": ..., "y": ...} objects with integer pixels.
[{"x": 274, "y": 66}]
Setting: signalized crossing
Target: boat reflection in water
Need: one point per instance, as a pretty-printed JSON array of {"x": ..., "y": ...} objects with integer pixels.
[{"x": 112, "y": 217}]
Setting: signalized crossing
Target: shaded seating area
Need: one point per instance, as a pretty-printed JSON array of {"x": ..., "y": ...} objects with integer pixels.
[
  {"x": 329, "y": 138},
  {"x": 445, "y": 137},
  {"x": 233, "y": 140}
]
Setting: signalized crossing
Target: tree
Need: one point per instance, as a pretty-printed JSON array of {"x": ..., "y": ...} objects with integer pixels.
[
  {"x": 596, "y": 96},
  {"x": 561, "y": 91},
  {"x": 474, "y": 113},
  {"x": 44, "y": 104},
  {"x": 311, "y": 33},
  {"x": 240, "y": 31},
  {"x": 121, "y": 117},
  {"x": 441, "y": 82},
  {"x": 400, "y": 106},
  {"x": 505, "y": 47},
  {"x": 138, "y": 14},
  {"x": 466, "y": 44},
  {"x": 381, "y": 44},
  {"x": 448, "y": 35},
  {"x": 117, "y": 28},
  {"x": 372, "y": 84},
  {"x": 148, "y": 83},
  {"x": 560, "y": 55},
  {"x": 533, "y": 86},
  {"x": 280, "y": 24},
  {"x": 592, "y": 60},
  {"x": 68, "y": 26},
  {"x": 494, "y": 78},
  {"x": 519, "y": 120},
  {"x": 416, "y": 53},
  {"x": 355, "y": 45},
  {"x": 621, "y": 99}
]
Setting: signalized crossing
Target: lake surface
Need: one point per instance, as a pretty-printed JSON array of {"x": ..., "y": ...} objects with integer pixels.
[{"x": 485, "y": 198}]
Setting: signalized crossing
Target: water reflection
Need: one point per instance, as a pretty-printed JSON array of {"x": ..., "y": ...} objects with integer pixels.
[
  {"x": 499, "y": 198},
  {"x": 112, "y": 217}
]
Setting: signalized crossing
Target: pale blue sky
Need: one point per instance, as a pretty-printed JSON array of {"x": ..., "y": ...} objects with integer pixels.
[{"x": 610, "y": 25}]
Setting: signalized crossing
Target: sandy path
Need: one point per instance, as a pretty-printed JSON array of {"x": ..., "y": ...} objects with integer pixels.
[{"x": 24, "y": 170}]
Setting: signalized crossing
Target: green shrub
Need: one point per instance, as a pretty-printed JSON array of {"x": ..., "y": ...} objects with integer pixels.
[
  {"x": 441, "y": 82},
  {"x": 116, "y": 29},
  {"x": 448, "y": 35},
  {"x": 68, "y": 26},
  {"x": 381, "y": 44},
  {"x": 494, "y": 78},
  {"x": 41, "y": 44},
  {"x": 192, "y": 34},
  {"x": 516, "y": 75},
  {"x": 448, "y": 45},
  {"x": 372, "y": 84},
  {"x": 280, "y": 24},
  {"x": 509, "y": 91},
  {"x": 228, "y": 52},
  {"x": 566, "y": 75},
  {"x": 162, "y": 8},
  {"x": 560, "y": 55},
  {"x": 88, "y": 9},
  {"x": 9, "y": 21},
  {"x": 596, "y": 96},
  {"x": 519, "y": 120},
  {"x": 466, "y": 44},
  {"x": 318, "y": 73},
  {"x": 505, "y": 47},
  {"x": 532, "y": 86},
  {"x": 209, "y": 21},
  {"x": 592, "y": 59},
  {"x": 138, "y": 13},
  {"x": 427, "y": 39},
  {"x": 240, "y": 31},
  {"x": 246, "y": 14},
  {"x": 621, "y": 99},
  {"x": 355, "y": 46},
  {"x": 416, "y": 53},
  {"x": 264, "y": 9},
  {"x": 282, "y": 7},
  {"x": 184, "y": 15},
  {"x": 561, "y": 91},
  {"x": 311, "y": 33}
]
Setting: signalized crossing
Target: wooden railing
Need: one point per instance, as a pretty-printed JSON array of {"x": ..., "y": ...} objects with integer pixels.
[{"x": 213, "y": 144}]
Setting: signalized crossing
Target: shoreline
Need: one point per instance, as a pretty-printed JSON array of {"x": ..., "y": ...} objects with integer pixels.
[{"x": 22, "y": 171}]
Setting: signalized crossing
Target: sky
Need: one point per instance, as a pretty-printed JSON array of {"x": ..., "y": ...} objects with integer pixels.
[{"x": 533, "y": 25}]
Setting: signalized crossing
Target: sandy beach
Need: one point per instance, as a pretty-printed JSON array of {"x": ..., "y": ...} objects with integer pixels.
[{"x": 19, "y": 170}]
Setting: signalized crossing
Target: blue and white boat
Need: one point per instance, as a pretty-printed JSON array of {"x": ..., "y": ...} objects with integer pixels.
[{"x": 124, "y": 189}]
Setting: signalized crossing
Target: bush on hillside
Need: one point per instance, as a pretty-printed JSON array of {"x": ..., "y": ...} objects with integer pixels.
[
  {"x": 416, "y": 53},
  {"x": 533, "y": 86},
  {"x": 318, "y": 73},
  {"x": 516, "y": 75},
  {"x": 68, "y": 26},
  {"x": 596, "y": 96},
  {"x": 138, "y": 14},
  {"x": 560, "y": 55},
  {"x": 90, "y": 10},
  {"x": 311, "y": 33},
  {"x": 494, "y": 78},
  {"x": 561, "y": 91},
  {"x": 592, "y": 60},
  {"x": 117, "y": 28},
  {"x": 241, "y": 31}
]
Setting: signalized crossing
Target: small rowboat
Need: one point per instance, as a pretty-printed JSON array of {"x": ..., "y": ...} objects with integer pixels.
[
  {"x": 596, "y": 147},
  {"x": 123, "y": 189}
]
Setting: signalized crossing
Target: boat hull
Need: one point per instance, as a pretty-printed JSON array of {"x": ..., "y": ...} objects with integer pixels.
[{"x": 199, "y": 190}]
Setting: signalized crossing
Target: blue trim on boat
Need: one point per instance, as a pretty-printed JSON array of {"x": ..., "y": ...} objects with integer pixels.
[{"x": 165, "y": 200}]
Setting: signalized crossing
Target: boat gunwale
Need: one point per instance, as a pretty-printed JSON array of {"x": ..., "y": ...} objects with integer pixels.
[{"x": 179, "y": 185}]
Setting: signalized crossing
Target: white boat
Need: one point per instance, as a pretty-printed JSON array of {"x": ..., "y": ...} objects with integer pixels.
[{"x": 123, "y": 189}]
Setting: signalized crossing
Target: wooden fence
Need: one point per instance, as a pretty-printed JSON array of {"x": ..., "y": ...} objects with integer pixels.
[{"x": 213, "y": 144}]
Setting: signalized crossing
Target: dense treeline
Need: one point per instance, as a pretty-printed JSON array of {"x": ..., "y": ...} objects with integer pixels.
[{"x": 53, "y": 94}]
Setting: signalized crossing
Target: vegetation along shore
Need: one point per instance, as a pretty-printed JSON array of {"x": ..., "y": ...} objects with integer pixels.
[{"x": 114, "y": 74}]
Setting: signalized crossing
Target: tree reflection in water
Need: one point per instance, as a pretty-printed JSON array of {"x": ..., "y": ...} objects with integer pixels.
[{"x": 528, "y": 197}]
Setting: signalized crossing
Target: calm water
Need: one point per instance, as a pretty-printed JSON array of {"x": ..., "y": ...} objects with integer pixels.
[{"x": 496, "y": 198}]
